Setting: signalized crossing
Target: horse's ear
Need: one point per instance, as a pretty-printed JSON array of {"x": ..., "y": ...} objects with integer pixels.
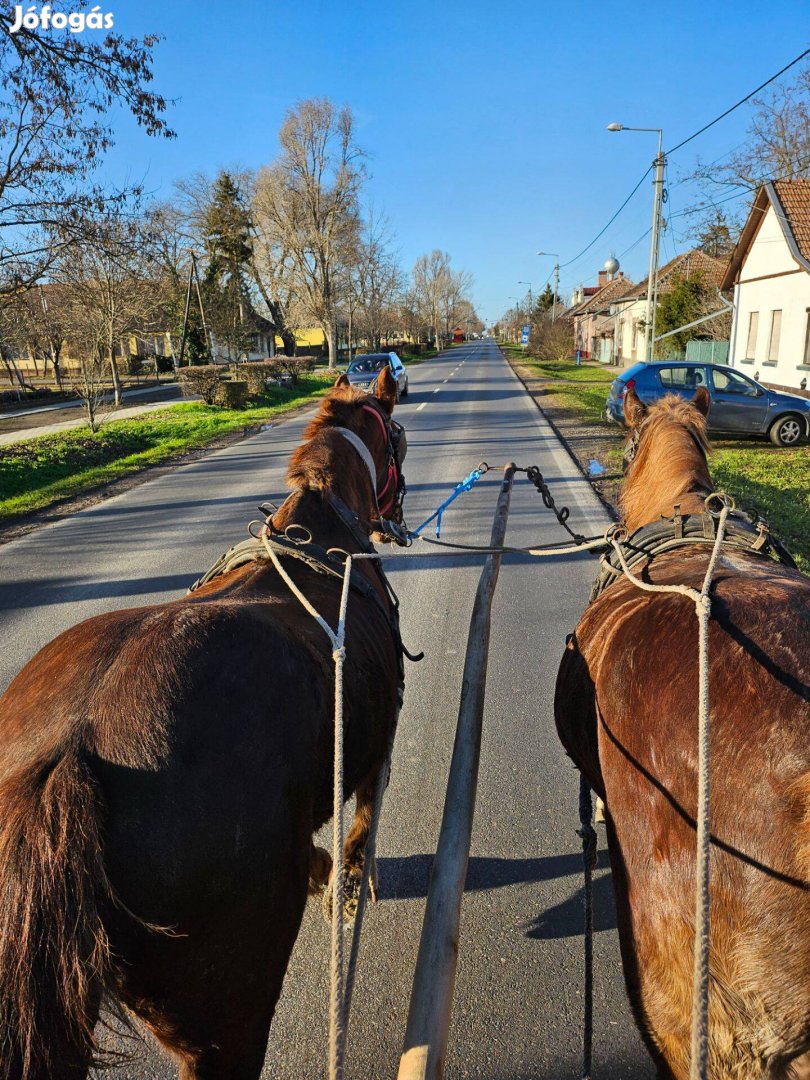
[
  {"x": 385, "y": 390},
  {"x": 701, "y": 400},
  {"x": 634, "y": 408},
  {"x": 342, "y": 380}
]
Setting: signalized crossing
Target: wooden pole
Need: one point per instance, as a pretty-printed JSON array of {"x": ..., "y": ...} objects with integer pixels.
[{"x": 425, "y": 1049}]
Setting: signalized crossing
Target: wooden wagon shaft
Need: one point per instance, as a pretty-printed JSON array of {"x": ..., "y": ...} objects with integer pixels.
[{"x": 434, "y": 979}]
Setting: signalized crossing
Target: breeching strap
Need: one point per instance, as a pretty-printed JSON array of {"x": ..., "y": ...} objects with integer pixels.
[
  {"x": 699, "y": 1056},
  {"x": 340, "y": 982}
]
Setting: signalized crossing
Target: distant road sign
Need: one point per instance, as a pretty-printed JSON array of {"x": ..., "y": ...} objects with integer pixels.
[{"x": 524, "y": 336}]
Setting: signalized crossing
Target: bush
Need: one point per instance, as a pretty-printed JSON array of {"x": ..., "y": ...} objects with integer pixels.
[
  {"x": 293, "y": 367},
  {"x": 232, "y": 395},
  {"x": 203, "y": 380},
  {"x": 164, "y": 364},
  {"x": 256, "y": 374}
]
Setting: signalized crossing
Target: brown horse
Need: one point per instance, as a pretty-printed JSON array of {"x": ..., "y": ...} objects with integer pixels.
[
  {"x": 626, "y": 712},
  {"x": 163, "y": 769}
]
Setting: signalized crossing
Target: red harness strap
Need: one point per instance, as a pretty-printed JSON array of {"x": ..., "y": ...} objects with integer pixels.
[{"x": 391, "y": 476}]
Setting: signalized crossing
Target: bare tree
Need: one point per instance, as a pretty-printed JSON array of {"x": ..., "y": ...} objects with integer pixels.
[
  {"x": 379, "y": 279},
  {"x": 777, "y": 147},
  {"x": 58, "y": 90},
  {"x": 88, "y": 381},
  {"x": 33, "y": 327},
  {"x": 439, "y": 292},
  {"x": 306, "y": 210},
  {"x": 429, "y": 277},
  {"x": 114, "y": 294}
]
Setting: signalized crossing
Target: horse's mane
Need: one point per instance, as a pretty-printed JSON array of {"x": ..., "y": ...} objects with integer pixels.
[
  {"x": 670, "y": 460},
  {"x": 313, "y": 465}
]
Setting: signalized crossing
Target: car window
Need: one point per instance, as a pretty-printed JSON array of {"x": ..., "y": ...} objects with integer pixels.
[
  {"x": 729, "y": 382},
  {"x": 682, "y": 377},
  {"x": 365, "y": 365}
]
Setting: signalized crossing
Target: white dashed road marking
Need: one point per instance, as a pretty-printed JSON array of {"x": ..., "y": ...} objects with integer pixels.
[{"x": 420, "y": 407}]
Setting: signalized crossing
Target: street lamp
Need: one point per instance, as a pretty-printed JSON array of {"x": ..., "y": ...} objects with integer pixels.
[
  {"x": 655, "y": 239},
  {"x": 551, "y": 255}
]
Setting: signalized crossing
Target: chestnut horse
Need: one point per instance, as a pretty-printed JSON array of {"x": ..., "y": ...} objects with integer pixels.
[
  {"x": 163, "y": 769},
  {"x": 626, "y": 712}
]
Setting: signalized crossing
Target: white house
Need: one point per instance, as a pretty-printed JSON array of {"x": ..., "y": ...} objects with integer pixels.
[{"x": 769, "y": 271}]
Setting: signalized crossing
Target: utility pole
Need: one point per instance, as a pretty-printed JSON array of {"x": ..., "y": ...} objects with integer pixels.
[
  {"x": 556, "y": 258},
  {"x": 655, "y": 247},
  {"x": 655, "y": 237}
]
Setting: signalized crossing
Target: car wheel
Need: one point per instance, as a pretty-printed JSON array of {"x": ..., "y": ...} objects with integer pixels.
[
  {"x": 405, "y": 390},
  {"x": 787, "y": 431}
]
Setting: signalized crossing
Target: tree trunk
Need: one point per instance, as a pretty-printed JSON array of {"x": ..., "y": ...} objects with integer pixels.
[
  {"x": 116, "y": 378},
  {"x": 57, "y": 371},
  {"x": 330, "y": 332},
  {"x": 350, "y": 335}
]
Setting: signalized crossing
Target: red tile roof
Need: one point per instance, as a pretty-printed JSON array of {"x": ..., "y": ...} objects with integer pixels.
[
  {"x": 607, "y": 294},
  {"x": 686, "y": 266},
  {"x": 794, "y": 195},
  {"x": 791, "y": 201}
]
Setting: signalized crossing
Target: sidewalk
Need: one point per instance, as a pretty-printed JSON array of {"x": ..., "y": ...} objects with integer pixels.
[{"x": 66, "y": 425}]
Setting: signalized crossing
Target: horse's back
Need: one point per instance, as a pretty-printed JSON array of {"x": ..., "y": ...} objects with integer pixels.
[{"x": 626, "y": 710}]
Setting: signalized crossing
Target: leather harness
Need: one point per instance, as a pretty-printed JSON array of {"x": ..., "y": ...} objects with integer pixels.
[
  {"x": 322, "y": 561},
  {"x": 743, "y": 533}
]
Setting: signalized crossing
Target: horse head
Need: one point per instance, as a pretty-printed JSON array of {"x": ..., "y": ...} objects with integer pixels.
[
  {"x": 665, "y": 457},
  {"x": 355, "y": 449}
]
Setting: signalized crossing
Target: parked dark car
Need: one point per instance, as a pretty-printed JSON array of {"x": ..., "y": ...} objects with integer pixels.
[
  {"x": 740, "y": 406},
  {"x": 363, "y": 371}
]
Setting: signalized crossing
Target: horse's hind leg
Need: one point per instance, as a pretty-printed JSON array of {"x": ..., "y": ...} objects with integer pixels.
[
  {"x": 354, "y": 849},
  {"x": 209, "y": 996}
]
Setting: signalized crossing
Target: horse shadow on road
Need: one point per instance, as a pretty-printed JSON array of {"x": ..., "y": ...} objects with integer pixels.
[{"x": 408, "y": 877}]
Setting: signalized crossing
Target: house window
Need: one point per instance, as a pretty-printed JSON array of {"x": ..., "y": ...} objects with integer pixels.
[
  {"x": 773, "y": 341},
  {"x": 753, "y": 327}
]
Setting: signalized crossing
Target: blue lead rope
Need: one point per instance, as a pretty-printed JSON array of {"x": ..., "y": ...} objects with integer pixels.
[{"x": 465, "y": 485}]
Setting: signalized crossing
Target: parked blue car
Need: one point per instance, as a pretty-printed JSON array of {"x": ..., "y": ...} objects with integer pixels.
[{"x": 739, "y": 406}]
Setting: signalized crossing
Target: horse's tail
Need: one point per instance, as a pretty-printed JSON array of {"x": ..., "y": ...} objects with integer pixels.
[{"x": 54, "y": 953}]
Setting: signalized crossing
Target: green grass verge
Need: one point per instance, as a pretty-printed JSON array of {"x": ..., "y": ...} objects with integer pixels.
[
  {"x": 40, "y": 471},
  {"x": 772, "y": 481},
  {"x": 583, "y": 389},
  {"x": 761, "y": 477}
]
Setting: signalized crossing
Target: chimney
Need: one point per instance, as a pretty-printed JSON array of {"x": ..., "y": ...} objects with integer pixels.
[{"x": 603, "y": 278}]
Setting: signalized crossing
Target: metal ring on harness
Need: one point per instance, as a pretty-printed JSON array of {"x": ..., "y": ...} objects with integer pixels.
[{"x": 721, "y": 501}]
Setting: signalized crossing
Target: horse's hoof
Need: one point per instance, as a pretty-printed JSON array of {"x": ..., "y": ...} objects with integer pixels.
[
  {"x": 351, "y": 897},
  {"x": 320, "y": 868}
]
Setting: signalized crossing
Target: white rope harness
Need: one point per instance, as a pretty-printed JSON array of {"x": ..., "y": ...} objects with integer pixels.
[
  {"x": 365, "y": 455},
  {"x": 341, "y": 982},
  {"x": 699, "y": 1056}
]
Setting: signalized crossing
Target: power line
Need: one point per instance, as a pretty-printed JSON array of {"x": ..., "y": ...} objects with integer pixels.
[
  {"x": 742, "y": 101},
  {"x": 605, "y": 229}
]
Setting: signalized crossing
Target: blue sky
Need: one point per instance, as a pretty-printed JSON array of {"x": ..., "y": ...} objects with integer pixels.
[{"x": 484, "y": 122}]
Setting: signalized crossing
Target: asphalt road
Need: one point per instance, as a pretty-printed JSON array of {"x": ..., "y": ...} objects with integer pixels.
[{"x": 518, "y": 1009}]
